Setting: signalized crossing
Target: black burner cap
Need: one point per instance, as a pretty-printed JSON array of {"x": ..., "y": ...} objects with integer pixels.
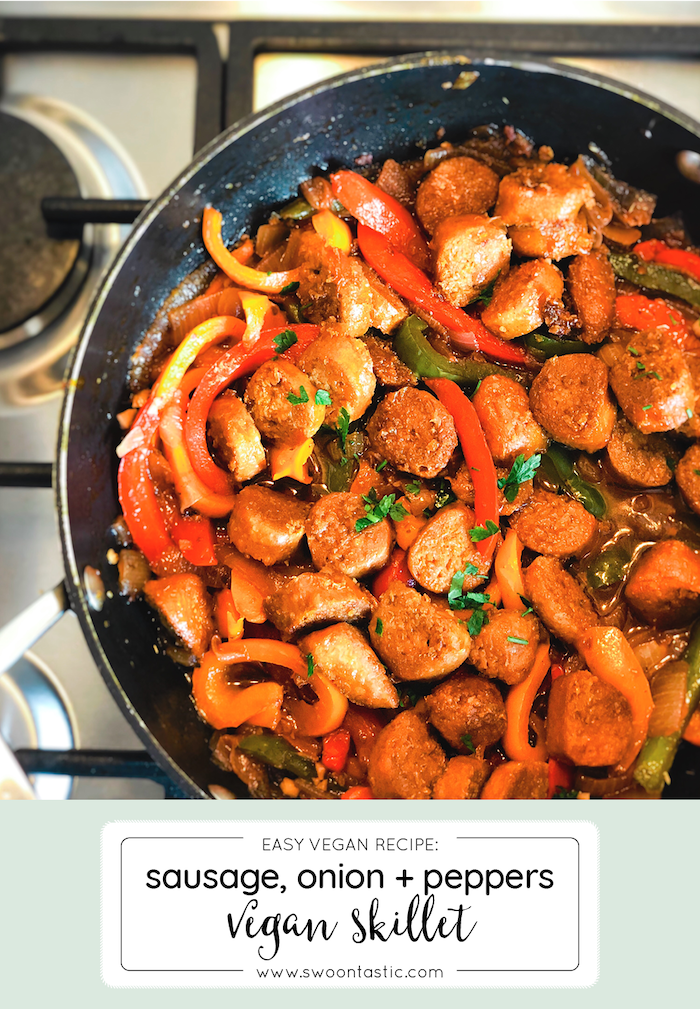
[{"x": 33, "y": 264}]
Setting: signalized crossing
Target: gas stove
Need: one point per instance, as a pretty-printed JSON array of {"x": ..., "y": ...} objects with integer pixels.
[{"x": 103, "y": 110}]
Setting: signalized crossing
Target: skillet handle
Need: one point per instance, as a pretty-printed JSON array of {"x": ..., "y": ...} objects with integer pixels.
[{"x": 27, "y": 627}]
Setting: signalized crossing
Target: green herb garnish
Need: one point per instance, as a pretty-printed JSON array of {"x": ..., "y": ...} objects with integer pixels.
[
  {"x": 381, "y": 466},
  {"x": 467, "y": 742},
  {"x": 633, "y": 352},
  {"x": 521, "y": 471},
  {"x": 303, "y": 397},
  {"x": 309, "y": 666},
  {"x": 377, "y": 510},
  {"x": 290, "y": 288},
  {"x": 647, "y": 407},
  {"x": 476, "y": 622},
  {"x": 565, "y": 793},
  {"x": 516, "y": 640},
  {"x": 479, "y": 533},
  {"x": 413, "y": 487},
  {"x": 343, "y": 427},
  {"x": 379, "y": 627},
  {"x": 283, "y": 341},
  {"x": 323, "y": 398}
]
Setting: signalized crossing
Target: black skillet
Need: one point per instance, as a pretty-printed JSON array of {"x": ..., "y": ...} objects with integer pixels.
[{"x": 393, "y": 109}]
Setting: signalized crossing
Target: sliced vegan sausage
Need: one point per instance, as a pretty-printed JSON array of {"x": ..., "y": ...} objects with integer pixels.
[
  {"x": 389, "y": 370},
  {"x": 463, "y": 778},
  {"x": 343, "y": 655},
  {"x": 636, "y": 459},
  {"x": 333, "y": 539},
  {"x": 466, "y": 705},
  {"x": 558, "y": 599},
  {"x": 470, "y": 252},
  {"x": 406, "y": 761},
  {"x": 417, "y": 639},
  {"x": 571, "y": 400},
  {"x": 518, "y": 780},
  {"x": 664, "y": 586},
  {"x": 506, "y": 646},
  {"x": 235, "y": 437},
  {"x": 688, "y": 477},
  {"x": 503, "y": 408},
  {"x": 455, "y": 186},
  {"x": 414, "y": 431},
  {"x": 520, "y": 297},
  {"x": 444, "y": 547},
  {"x": 267, "y": 525},
  {"x": 317, "y": 597},
  {"x": 276, "y": 416},
  {"x": 652, "y": 382},
  {"x": 185, "y": 607},
  {"x": 554, "y": 524},
  {"x": 591, "y": 283},
  {"x": 342, "y": 366},
  {"x": 589, "y": 722}
]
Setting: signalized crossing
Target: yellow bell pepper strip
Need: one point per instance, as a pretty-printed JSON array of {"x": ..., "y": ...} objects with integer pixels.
[
  {"x": 230, "y": 624},
  {"x": 509, "y": 571},
  {"x": 333, "y": 230},
  {"x": 225, "y": 706},
  {"x": 255, "y": 307},
  {"x": 191, "y": 491},
  {"x": 245, "y": 276},
  {"x": 291, "y": 461},
  {"x": 608, "y": 654},
  {"x": 477, "y": 456},
  {"x": 519, "y": 703}
]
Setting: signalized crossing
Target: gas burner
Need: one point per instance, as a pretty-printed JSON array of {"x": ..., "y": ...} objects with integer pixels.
[{"x": 48, "y": 273}]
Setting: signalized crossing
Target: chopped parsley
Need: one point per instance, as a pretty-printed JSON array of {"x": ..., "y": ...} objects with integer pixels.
[
  {"x": 647, "y": 407},
  {"x": 467, "y": 742},
  {"x": 290, "y": 288},
  {"x": 455, "y": 594},
  {"x": 283, "y": 341},
  {"x": 486, "y": 295},
  {"x": 521, "y": 471},
  {"x": 655, "y": 374},
  {"x": 412, "y": 693},
  {"x": 478, "y": 386},
  {"x": 671, "y": 463},
  {"x": 689, "y": 412},
  {"x": 323, "y": 398},
  {"x": 379, "y": 627},
  {"x": 640, "y": 366},
  {"x": 377, "y": 510},
  {"x": 565, "y": 793},
  {"x": 516, "y": 640},
  {"x": 674, "y": 320},
  {"x": 696, "y": 472},
  {"x": 479, "y": 533},
  {"x": 303, "y": 397},
  {"x": 343, "y": 427},
  {"x": 476, "y": 622},
  {"x": 381, "y": 466},
  {"x": 633, "y": 352},
  {"x": 413, "y": 487},
  {"x": 528, "y": 610},
  {"x": 458, "y": 599},
  {"x": 309, "y": 666}
]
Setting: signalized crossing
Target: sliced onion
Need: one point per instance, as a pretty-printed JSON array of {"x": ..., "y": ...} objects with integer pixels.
[
  {"x": 183, "y": 320},
  {"x": 668, "y": 687},
  {"x": 598, "y": 787}
]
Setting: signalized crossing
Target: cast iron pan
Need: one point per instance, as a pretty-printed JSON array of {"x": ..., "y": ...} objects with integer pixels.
[{"x": 390, "y": 110}]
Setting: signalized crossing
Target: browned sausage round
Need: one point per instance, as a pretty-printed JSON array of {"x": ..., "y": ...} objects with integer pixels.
[
  {"x": 688, "y": 477},
  {"x": 506, "y": 646},
  {"x": 636, "y": 459},
  {"x": 417, "y": 639},
  {"x": 664, "y": 586},
  {"x": 463, "y": 778},
  {"x": 342, "y": 366},
  {"x": 342, "y": 654},
  {"x": 333, "y": 539},
  {"x": 317, "y": 597},
  {"x": 554, "y": 524},
  {"x": 456, "y": 186},
  {"x": 276, "y": 416},
  {"x": 504, "y": 413},
  {"x": 558, "y": 599},
  {"x": 652, "y": 382},
  {"x": 519, "y": 299},
  {"x": 470, "y": 252},
  {"x": 267, "y": 525},
  {"x": 185, "y": 607},
  {"x": 591, "y": 282},
  {"x": 467, "y": 706},
  {"x": 414, "y": 431},
  {"x": 518, "y": 780},
  {"x": 570, "y": 399},
  {"x": 589, "y": 723},
  {"x": 406, "y": 761},
  {"x": 235, "y": 437},
  {"x": 443, "y": 547}
]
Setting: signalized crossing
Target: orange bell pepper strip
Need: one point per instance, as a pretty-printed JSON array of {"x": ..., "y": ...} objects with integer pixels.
[
  {"x": 509, "y": 571},
  {"x": 229, "y": 623},
  {"x": 291, "y": 461},
  {"x": 608, "y": 654},
  {"x": 518, "y": 707},
  {"x": 225, "y": 706},
  {"x": 409, "y": 526},
  {"x": 477, "y": 455},
  {"x": 692, "y": 729},
  {"x": 333, "y": 230},
  {"x": 245, "y": 276}
]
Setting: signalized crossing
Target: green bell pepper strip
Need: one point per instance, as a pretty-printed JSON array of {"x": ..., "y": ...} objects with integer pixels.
[
  {"x": 657, "y": 754},
  {"x": 298, "y": 210},
  {"x": 543, "y": 346},
  {"x": 416, "y": 352},
  {"x": 557, "y": 466},
  {"x": 274, "y": 751},
  {"x": 655, "y": 277},
  {"x": 609, "y": 568}
]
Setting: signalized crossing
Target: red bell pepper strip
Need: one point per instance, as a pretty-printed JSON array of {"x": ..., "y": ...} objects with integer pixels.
[
  {"x": 140, "y": 506},
  {"x": 396, "y": 570},
  {"x": 336, "y": 747},
  {"x": 194, "y": 535},
  {"x": 560, "y": 776},
  {"x": 656, "y": 251},
  {"x": 358, "y": 792},
  {"x": 476, "y": 454},
  {"x": 239, "y": 360},
  {"x": 411, "y": 283},
  {"x": 364, "y": 726},
  {"x": 635, "y": 311},
  {"x": 381, "y": 212}
]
